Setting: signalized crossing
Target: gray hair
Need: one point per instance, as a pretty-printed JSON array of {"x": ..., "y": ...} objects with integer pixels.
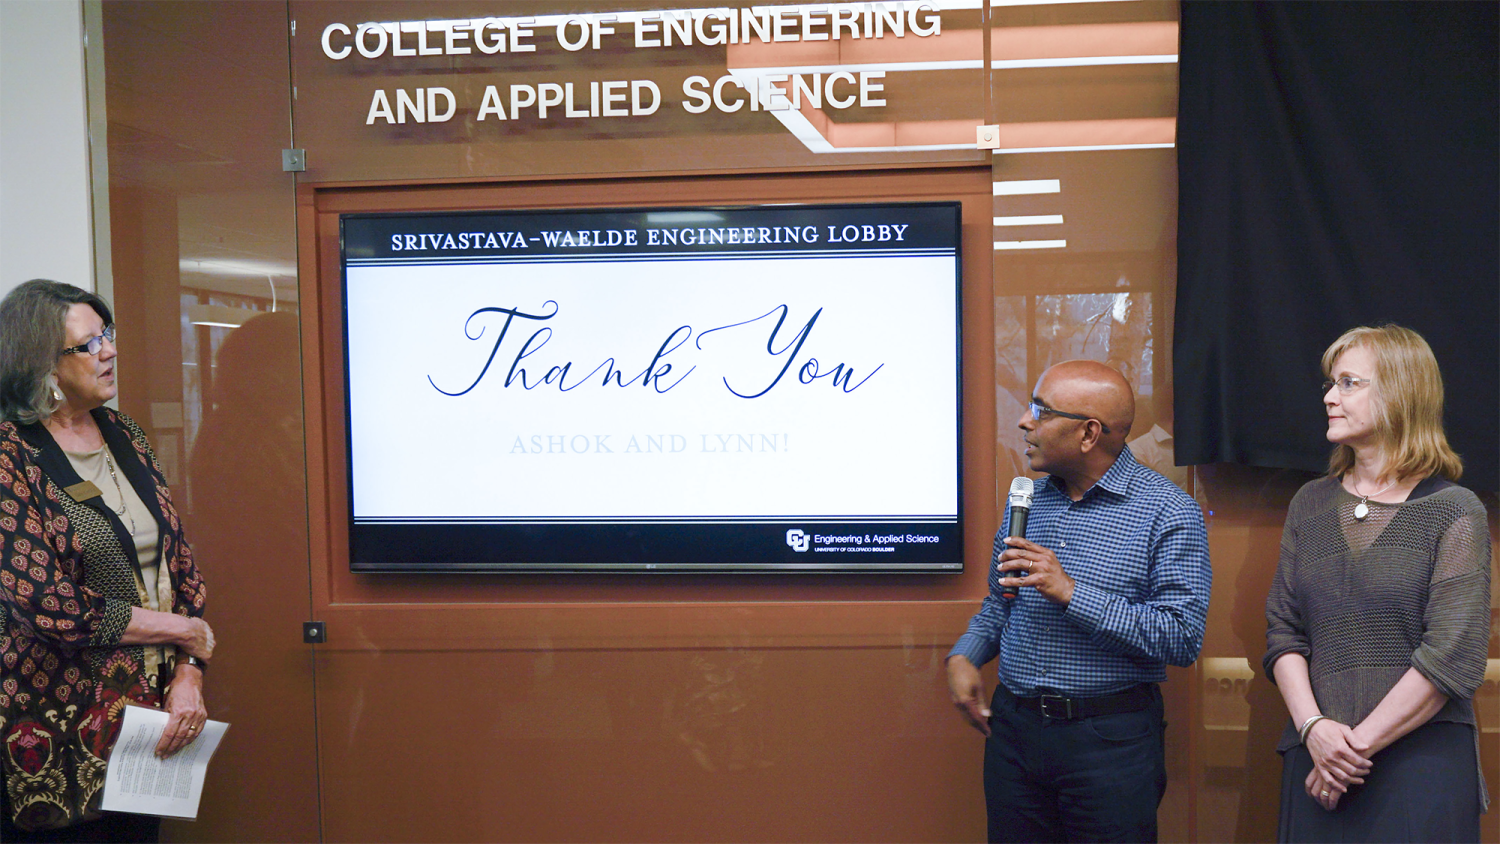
[{"x": 33, "y": 320}]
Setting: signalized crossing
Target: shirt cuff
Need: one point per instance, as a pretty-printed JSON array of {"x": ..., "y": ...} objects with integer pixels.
[
  {"x": 111, "y": 627},
  {"x": 1087, "y": 607},
  {"x": 974, "y": 648}
]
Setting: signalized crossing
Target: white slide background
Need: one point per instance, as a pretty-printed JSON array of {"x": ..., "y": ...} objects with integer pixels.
[{"x": 685, "y": 446}]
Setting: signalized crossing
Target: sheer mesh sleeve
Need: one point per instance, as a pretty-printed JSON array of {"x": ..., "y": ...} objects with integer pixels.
[
  {"x": 1284, "y": 629},
  {"x": 1456, "y": 625}
]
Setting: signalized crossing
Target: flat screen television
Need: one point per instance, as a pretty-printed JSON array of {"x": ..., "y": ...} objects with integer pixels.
[{"x": 743, "y": 389}]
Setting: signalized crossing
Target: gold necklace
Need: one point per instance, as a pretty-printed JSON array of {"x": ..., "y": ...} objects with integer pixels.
[
  {"x": 1362, "y": 509},
  {"x": 124, "y": 510}
]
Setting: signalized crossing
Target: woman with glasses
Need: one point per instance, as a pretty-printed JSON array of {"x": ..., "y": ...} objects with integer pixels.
[
  {"x": 100, "y": 602},
  {"x": 1378, "y": 619}
]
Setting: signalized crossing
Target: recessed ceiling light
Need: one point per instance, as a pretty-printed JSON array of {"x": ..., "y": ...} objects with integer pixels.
[
  {"x": 1080, "y": 61},
  {"x": 1030, "y": 244},
  {"x": 1037, "y": 220},
  {"x": 1025, "y": 186},
  {"x": 995, "y": 3},
  {"x": 1091, "y": 148}
]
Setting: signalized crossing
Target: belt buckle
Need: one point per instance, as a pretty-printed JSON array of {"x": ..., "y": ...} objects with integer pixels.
[{"x": 1051, "y": 705}]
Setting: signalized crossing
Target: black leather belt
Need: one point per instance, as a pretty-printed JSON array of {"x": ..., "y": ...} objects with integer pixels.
[{"x": 1063, "y": 708}]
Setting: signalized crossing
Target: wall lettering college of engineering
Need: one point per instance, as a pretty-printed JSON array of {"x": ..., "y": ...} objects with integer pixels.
[{"x": 605, "y": 98}]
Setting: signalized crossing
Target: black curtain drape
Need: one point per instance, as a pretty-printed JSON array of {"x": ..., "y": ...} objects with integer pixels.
[{"x": 1338, "y": 167}]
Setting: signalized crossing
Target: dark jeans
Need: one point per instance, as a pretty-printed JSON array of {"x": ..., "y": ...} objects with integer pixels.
[{"x": 1093, "y": 779}]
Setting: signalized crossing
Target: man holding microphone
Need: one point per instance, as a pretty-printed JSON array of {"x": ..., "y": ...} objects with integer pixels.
[{"x": 1113, "y": 578}]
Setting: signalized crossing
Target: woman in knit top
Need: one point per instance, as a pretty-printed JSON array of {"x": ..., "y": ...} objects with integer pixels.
[{"x": 1378, "y": 619}]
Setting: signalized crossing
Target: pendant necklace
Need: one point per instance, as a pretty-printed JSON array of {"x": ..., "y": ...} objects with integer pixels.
[
  {"x": 1362, "y": 509},
  {"x": 108, "y": 461}
]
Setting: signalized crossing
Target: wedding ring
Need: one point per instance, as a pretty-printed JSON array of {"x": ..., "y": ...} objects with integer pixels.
[
  {"x": 1325, "y": 794},
  {"x": 195, "y": 729}
]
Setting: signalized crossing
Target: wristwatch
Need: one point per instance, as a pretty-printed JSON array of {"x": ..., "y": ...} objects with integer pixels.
[{"x": 200, "y": 664}]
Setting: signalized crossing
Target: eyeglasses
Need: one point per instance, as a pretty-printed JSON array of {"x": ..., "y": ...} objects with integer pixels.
[
  {"x": 1040, "y": 411},
  {"x": 93, "y": 346},
  {"x": 1346, "y": 384}
]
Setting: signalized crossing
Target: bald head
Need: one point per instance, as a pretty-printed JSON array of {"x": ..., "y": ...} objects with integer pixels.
[{"x": 1092, "y": 389}]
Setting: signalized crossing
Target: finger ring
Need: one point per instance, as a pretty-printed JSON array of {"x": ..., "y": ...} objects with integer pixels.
[
  {"x": 1325, "y": 794},
  {"x": 195, "y": 729}
]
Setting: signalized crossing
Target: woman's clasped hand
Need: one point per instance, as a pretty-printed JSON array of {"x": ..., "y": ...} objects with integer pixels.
[{"x": 1338, "y": 761}]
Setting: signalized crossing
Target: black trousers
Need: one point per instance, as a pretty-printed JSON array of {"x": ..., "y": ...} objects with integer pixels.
[{"x": 1093, "y": 779}]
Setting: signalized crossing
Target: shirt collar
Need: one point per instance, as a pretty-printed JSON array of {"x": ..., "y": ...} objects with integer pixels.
[{"x": 1116, "y": 480}]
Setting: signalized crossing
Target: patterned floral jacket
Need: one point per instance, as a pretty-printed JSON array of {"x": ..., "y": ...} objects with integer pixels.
[{"x": 68, "y": 581}]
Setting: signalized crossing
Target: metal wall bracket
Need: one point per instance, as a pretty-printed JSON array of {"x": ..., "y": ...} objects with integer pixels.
[
  {"x": 314, "y": 633},
  {"x": 293, "y": 160},
  {"x": 988, "y": 137}
]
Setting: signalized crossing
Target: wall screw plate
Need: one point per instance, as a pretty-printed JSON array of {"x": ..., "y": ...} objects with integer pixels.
[{"x": 314, "y": 633}]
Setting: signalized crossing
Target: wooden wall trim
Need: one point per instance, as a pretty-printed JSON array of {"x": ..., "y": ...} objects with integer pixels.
[{"x": 490, "y": 611}]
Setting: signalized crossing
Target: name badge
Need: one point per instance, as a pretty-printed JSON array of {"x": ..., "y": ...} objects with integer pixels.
[{"x": 82, "y": 491}]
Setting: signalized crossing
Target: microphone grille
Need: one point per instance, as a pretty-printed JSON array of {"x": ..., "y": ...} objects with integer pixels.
[{"x": 1022, "y": 486}]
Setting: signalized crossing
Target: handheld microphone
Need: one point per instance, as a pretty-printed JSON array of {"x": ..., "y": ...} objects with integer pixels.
[{"x": 1020, "y": 508}]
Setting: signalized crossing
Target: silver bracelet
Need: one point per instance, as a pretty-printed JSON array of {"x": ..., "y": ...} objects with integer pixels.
[{"x": 1307, "y": 725}]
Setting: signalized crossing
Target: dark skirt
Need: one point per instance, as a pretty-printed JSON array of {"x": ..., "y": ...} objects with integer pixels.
[
  {"x": 113, "y": 828},
  {"x": 1424, "y": 787}
]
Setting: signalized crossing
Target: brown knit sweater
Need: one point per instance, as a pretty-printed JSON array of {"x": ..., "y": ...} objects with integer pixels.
[{"x": 1363, "y": 601}]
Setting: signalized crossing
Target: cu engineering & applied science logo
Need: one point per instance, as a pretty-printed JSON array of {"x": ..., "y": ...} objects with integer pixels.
[{"x": 798, "y": 540}]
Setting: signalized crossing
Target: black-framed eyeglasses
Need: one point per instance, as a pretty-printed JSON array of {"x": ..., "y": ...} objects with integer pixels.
[
  {"x": 93, "y": 346},
  {"x": 1040, "y": 411},
  {"x": 1346, "y": 383}
]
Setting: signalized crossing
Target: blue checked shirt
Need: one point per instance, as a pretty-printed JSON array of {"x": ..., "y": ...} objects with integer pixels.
[{"x": 1137, "y": 549}]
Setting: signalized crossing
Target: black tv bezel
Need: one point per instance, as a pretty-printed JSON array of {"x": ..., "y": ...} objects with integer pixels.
[{"x": 526, "y": 541}]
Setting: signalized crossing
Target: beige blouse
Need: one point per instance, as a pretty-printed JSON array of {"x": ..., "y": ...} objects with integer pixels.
[{"x": 153, "y": 582}]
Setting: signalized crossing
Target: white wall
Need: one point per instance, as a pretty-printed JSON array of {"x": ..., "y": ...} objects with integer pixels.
[{"x": 45, "y": 207}]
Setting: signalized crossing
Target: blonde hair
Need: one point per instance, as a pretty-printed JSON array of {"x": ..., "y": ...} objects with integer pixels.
[{"x": 1407, "y": 403}]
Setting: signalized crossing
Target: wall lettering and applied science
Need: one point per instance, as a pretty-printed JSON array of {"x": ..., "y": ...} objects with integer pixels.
[{"x": 742, "y": 32}]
